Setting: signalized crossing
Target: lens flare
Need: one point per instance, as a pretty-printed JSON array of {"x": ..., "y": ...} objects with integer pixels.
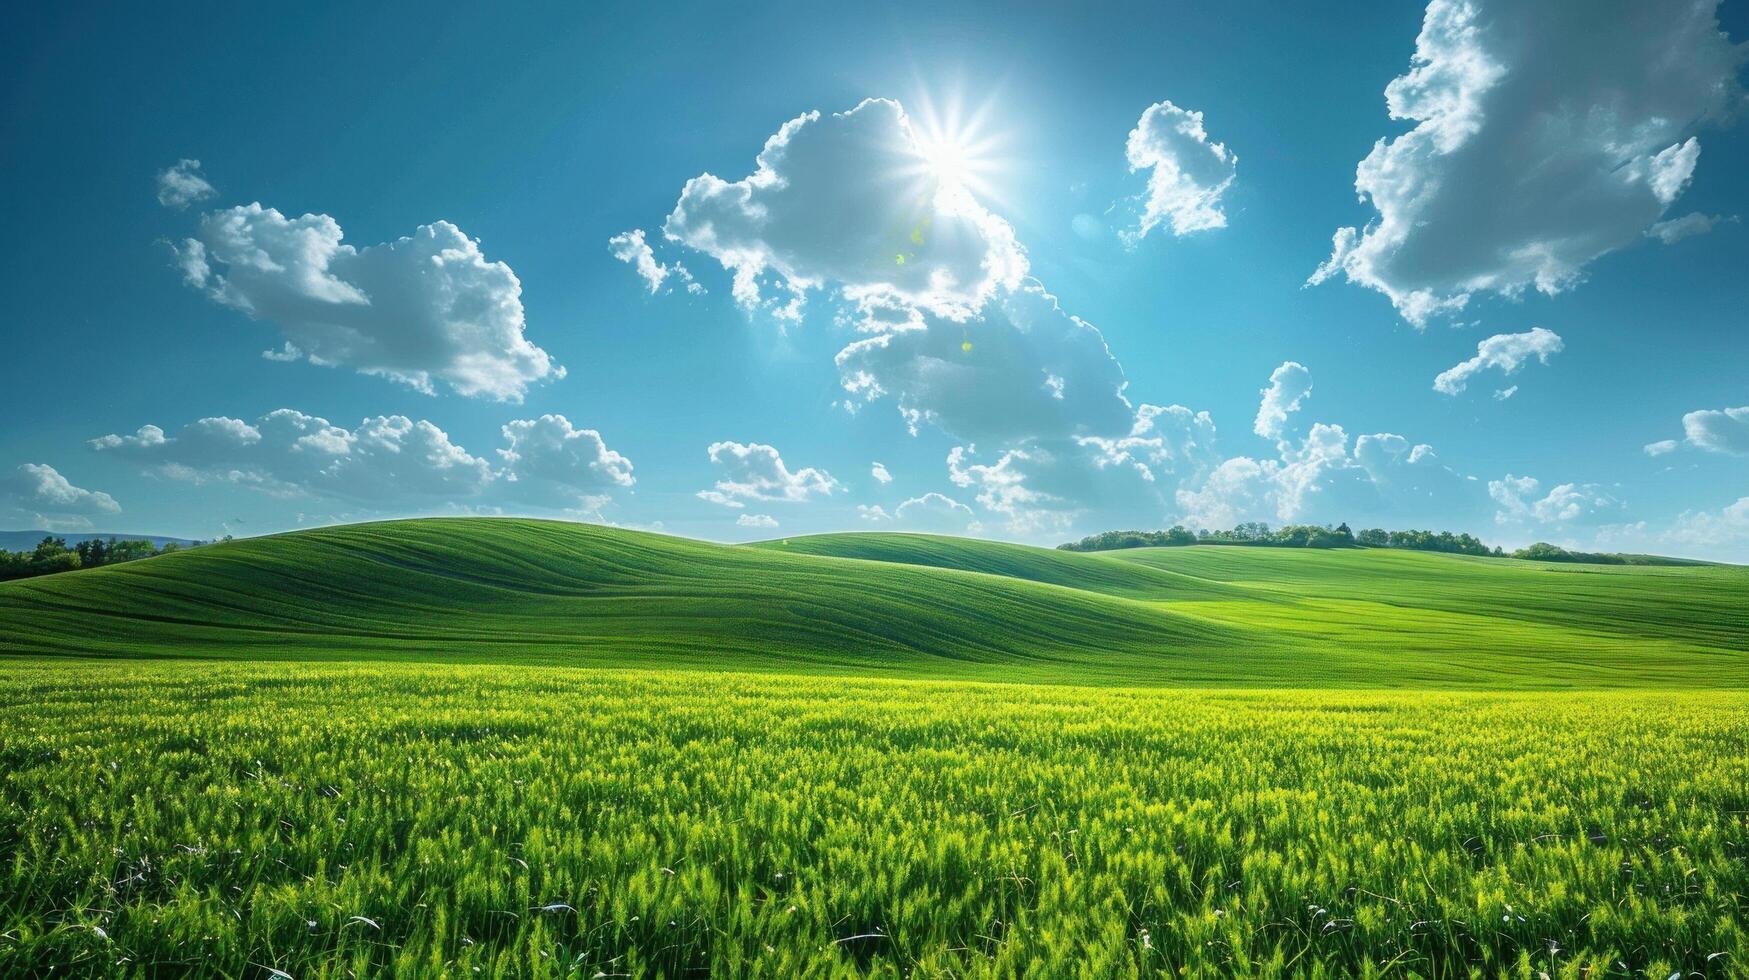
[{"x": 957, "y": 150}]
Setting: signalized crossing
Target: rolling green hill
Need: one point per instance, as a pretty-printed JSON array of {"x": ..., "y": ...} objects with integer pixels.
[
  {"x": 500, "y": 590},
  {"x": 185, "y": 789}
]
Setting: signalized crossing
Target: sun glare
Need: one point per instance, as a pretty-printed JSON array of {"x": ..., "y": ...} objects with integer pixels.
[
  {"x": 958, "y": 149},
  {"x": 949, "y": 161}
]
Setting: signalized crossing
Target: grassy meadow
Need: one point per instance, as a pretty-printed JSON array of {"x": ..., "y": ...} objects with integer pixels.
[
  {"x": 519, "y": 591},
  {"x": 515, "y": 748}
]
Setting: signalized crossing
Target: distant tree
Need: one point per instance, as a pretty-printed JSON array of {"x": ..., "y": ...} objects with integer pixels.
[
  {"x": 1543, "y": 551},
  {"x": 1258, "y": 534},
  {"x": 52, "y": 555},
  {"x": 1116, "y": 540},
  {"x": 92, "y": 553}
]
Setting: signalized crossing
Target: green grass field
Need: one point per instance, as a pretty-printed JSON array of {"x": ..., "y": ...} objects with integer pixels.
[
  {"x": 513, "y": 591},
  {"x": 522, "y": 748}
]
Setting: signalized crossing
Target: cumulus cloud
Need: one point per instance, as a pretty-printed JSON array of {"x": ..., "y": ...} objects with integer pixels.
[
  {"x": 384, "y": 461},
  {"x": 953, "y": 332},
  {"x": 1691, "y": 224},
  {"x": 1288, "y": 387},
  {"x": 422, "y": 309},
  {"x": 873, "y": 512},
  {"x": 1714, "y": 430},
  {"x": 1720, "y": 534},
  {"x": 879, "y": 472},
  {"x": 1009, "y": 487},
  {"x": 849, "y": 198},
  {"x": 1506, "y": 351},
  {"x": 1545, "y": 135},
  {"x": 1724, "y": 532},
  {"x": 289, "y": 453},
  {"x": 958, "y": 338},
  {"x": 1024, "y": 369},
  {"x": 754, "y": 471},
  {"x": 631, "y": 248},
  {"x": 550, "y": 461},
  {"x": 1283, "y": 489},
  {"x": 1188, "y": 172},
  {"x": 1661, "y": 447},
  {"x": 937, "y": 513},
  {"x": 39, "y": 494},
  {"x": 182, "y": 184},
  {"x": 1522, "y": 501},
  {"x": 1047, "y": 485},
  {"x": 756, "y": 520},
  {"x": 1724, "y": 430},
  {"x": 1322, "y": 478}
]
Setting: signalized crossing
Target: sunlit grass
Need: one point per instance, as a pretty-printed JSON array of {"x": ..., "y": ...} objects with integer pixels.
[
  {"x": 513, "y": 591},
  {"x": 519, "y": 748},
  {"x": 428, "y": 820}
]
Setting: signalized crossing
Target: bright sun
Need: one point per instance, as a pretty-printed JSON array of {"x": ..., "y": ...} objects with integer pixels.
[
  {"x": 958, "y": 151},
  {"x": 949, "y": 161}
]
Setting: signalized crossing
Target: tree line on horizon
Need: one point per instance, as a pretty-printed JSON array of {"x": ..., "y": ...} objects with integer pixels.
[
  {"x": 1257, "y": 534},
  {"x": 53, "y": 554}
]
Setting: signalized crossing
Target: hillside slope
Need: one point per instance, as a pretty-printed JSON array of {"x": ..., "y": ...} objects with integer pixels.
[
  {"x": 500, "y": 590},
  {"x": 1700, "y": 603}
]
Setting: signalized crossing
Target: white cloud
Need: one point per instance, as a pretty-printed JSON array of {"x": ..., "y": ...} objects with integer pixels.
[
  {"x": 873, "y": 512},
  {"x": 425, "y": 308},
  {"x": 1715, "y": 430},
  {"x": 1691, "y": 224},
  {"x": 632, "y": 248},
  {"x": 385, "y": 462},
  {"x": 1040, "y": 387},
  {"x": 1009, "y": 487},
  {"x": 1001, "y": 389},
  {"x": 879, "y": 472},
  {"x": 1166, "y": 440},
  {"x": 1383, "y": 479},
  {"x": 1724, "y": 430},
  {"x": 1233, "y": 492},
  {"x": 1047, "y": 485},
  {"x": 850, "y": 198},
  {"x": 38, "y": 494},
  {"x": 1501, "y": 394},
  {"x": 182, "y": 185},
  {"x": 1506, "y": 351},
  {"x": 289, "y": 453},
  {"x": 1288, "y": 387},
  {"x": 1720, "y": 535},
  {"x": 1187, "y": 172},
  {"x": 961, "y": 341},
  {"x": 756, "y": 472},
  {"x": 552, "y": 462},
  {"x": 954, "y": 333},
  {"x": 1661, "y": 447},
  {"x": 937, "y": 513},
  {"x": 1545, "y": 135},
  {"x": 756, "y": 520},
  {"x": 1568, "y": 503},
  {"x": 1724, "y": 532}
]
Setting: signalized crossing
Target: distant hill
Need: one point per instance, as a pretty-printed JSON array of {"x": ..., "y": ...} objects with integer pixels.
[
  {"x": 542, "y": 592},
  {"x": 26, "y": 540}
]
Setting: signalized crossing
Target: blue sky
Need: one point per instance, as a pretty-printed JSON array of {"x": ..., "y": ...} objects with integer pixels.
[{"x": 512, "y": 146}]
